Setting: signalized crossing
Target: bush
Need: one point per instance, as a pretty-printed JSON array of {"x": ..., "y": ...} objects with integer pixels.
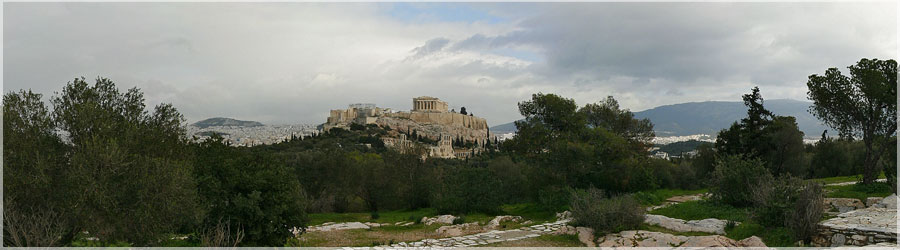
[
  {"x": 553, "y": 198},
  {"x": 459, "y": 220},
  {"x": 734, "y": 177},
  {"x": 789, "y": 202},
  {"x": 773, "y": 199},
  {"x": 592, "y": 209},
  {"x": 807, "y": 210}
]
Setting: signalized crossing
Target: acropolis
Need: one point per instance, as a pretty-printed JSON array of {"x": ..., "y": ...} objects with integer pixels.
[{"x": 428, "y": 118}]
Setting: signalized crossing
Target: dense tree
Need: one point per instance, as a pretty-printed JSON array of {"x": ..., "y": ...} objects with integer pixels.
[
  {"x": 783, "y": 148},
  {"x": 607, "y": 114},
  {"x": 774, "y": 139},
  {"x": 251, "y": 190},
  {"x": 33, "y": 175},
  {"x": 863, "y": 104},
  {"x": 126, "y": 173}
]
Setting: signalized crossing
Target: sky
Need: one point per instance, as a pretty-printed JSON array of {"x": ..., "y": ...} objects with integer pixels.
[{"x": 284, "y": 63}]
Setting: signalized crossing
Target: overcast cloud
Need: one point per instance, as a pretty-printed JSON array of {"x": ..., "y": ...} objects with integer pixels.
[{"x": 293, "y": 62}]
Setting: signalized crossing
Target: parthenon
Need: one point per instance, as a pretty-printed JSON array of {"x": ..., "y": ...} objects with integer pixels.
[{"x": 429, "y": 104}]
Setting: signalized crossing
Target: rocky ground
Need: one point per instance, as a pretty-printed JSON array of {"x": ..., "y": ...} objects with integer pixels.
[{"x": 874, "y": 226}]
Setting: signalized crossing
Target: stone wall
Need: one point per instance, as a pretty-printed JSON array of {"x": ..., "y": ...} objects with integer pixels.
[{"x": 861, "y": 227}]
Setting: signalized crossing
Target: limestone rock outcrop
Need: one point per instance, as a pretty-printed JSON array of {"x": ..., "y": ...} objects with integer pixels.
[
  {"x": 710, "y": 225},
  {"x": 843, "y": 205},
  {"x": 656, "y": 239},
  {"x": 495, "y": 223},
  {"x": 457, "y": 230},
  {"x": 860, "y": 227},
  {"x": 442, "y": 219}
]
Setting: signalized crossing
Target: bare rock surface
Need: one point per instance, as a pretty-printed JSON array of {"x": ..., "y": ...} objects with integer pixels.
[
  {"x": 872, "y": 201},
  {"x": 495, "y": 223},
  {"x": 889, "y": 202},
  {"x": 586, "y": 236},
  {"x": 330, "y": 226},
  {"x": 457, "y": 230},
  {"x": 485, "y": 238},
  {"x": 656, "y": 239},
  {"x": 710, "y": 225},
  {"x": 843, "y": 205},
  {"x": 683, "y": 198},
  {"x": 860, "y": 227},
  {"x": 442, "y": 219}
]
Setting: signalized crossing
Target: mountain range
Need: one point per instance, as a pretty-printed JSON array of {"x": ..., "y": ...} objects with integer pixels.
[
  {"x": 222, "y": 121},
  {"x": 712, "y": 116}
]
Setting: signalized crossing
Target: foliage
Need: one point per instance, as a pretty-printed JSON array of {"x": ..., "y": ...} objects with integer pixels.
[
  {"x": 860, "y": 191},
  {"x": 251, "y": 191},
  {"x": 734, "y": 177},
  {"x": 863, "y": 104},
  {"x": 775, "y": 139},
  {"x": 594, "y": 210},
  {"x": 607, "y": 114},
  {"x": 807, "y": 211},
  {"x": 123, "y": 173},
  {"x": 657, "y": 196},
  {"x": 773, "y": 236},
  {"x": 681, "y": 147},
  {"x": 836, "y": 157},
  {"x": 467, "y": 189}
]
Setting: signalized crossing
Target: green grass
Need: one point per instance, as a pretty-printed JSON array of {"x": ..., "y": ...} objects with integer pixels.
[
  {"x": 383, "y": 217},
  {"x": 859, "y": 191},
  {"x": 658, "y": 196},
  {"x": 529, "y": 211},
  {"x": 698, "y": 210},
  {"x": 840, "y": 179},
  {"x": 773, "y": 237}
]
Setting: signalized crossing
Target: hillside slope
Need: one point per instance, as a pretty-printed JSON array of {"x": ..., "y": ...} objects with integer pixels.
[
  {"x": 712, "y": 116},
  {"x": 222, "y": 121}
]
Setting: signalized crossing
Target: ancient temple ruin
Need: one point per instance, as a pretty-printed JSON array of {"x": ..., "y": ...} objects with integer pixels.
[{"x": 429, "y": 118}]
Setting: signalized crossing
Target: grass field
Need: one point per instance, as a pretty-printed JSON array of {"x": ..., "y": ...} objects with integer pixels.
[
  {"x": 859, "y": 191},
  {"x": 840, "y": 179},
  {"x": 698, "y": 210}
]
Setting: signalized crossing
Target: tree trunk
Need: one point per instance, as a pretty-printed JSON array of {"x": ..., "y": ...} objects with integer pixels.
[{"x": 869, "y": 171}]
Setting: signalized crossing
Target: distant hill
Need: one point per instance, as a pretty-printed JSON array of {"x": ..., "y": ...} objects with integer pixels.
[
  {"x": 504, "y": 128},
  {"x": 711, "y": 117},
  {"x": 221, "y": 121}
]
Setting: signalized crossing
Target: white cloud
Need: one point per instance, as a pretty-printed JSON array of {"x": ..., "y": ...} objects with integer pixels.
[{"x": 292, "y": 62}]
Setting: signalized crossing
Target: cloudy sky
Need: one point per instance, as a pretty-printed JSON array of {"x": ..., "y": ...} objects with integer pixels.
[{"x": 292, "y": 62}]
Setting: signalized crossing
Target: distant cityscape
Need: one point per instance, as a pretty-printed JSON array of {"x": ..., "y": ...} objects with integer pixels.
[{"x": 246, "y": 136}]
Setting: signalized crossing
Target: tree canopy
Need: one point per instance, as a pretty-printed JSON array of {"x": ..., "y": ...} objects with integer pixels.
[{"x": 863, "y": 104}]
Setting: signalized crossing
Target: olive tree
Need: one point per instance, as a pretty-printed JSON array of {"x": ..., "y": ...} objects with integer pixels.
[{"x": 863, "y": 104}]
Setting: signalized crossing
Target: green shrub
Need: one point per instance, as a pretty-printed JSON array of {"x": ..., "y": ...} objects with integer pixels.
[
  {"x": 789, "y": 202},
  {"x": 459, "y": 220},
  {"x": 773, "y": 199},
  {"x": 807, "y": 211},
  {"x": 592, "y": 209},
  {"x": 553, "y": 198},
  {"x": 374, "y": 215},
  {"x": 734, "y": 177}
]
